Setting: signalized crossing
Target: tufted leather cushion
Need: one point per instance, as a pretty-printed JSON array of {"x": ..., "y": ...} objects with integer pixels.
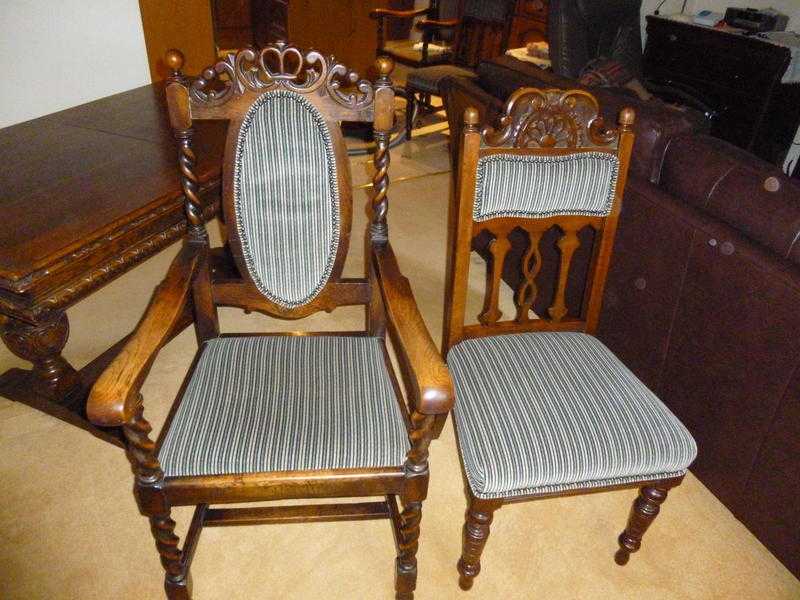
[
  {"x": 545, "y": 412},
  {"x": 511, "y": 185},
  {"x": 286, "y": 198},
  {"x": 284, "y": 403}
]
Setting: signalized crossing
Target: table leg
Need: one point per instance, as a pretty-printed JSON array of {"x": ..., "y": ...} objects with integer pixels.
[
  {"x": 41, "y": 344},
  {"x": 52, "y": 385}
]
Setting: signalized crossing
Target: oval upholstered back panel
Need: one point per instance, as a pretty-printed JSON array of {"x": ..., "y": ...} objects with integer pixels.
[
  {"x": 514, "y": 185},
  {"x": 286, "y": 198}
]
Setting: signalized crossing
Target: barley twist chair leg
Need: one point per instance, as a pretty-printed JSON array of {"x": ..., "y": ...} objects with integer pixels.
[
  {"x": 476, "y": 531},
  {"x": 644, "y": 511},
  {"x": 406, "y": 564},
  {"x": 177, "y": 583},
  {"x": 152, "y": 501}
]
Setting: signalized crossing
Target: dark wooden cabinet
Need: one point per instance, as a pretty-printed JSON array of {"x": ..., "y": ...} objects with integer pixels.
[
  {"x": 736, "y": 77},
  {"x": 240, "y": 23}
]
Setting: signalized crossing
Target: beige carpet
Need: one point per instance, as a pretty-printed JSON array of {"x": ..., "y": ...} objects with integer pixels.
[{"x": 69, "y": 528}]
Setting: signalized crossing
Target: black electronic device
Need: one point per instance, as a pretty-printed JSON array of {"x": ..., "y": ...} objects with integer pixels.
[{"x": 756, "y": 21}]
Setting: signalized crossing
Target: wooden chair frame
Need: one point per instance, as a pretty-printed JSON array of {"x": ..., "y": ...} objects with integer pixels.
[
  {"x": 431, "y": 13},
  {"x": 466, "y": 52},
  {"x": 547, "y": 122},
  {"x": 196, "y": 284}
]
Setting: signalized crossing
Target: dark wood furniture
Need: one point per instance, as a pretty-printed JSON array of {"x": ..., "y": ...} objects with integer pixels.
[
  {"x": 543, "y": 126},
  {"x": 87, "y": 194},
  {"x": 240, "y": 23},
  {"x": 481, "y": 31},
  {"x": 528, "y": 23},
  {"x": 394, "y": 41},
  {"x": 343, "y": 29},
  {"x": 738, "y": 79},
  {"x": 276, "y": 76}
]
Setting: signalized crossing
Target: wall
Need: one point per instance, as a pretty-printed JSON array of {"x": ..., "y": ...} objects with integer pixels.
[
  {"x": 185, "y": 25},
  {"x": 61, "y": 54}
]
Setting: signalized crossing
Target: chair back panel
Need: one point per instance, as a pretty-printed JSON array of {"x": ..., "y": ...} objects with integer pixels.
[
  {"x": 287, "y": 192},
  {"x": 582, "y": 183},
  {"x": 286, "y": 197},
  {"x": 550, "y": 168}
]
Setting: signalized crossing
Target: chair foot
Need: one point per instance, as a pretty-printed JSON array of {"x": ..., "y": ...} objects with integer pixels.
[
  {"x": 464, "y": 582},
  {"x": 644, "y": 511},
  {"x": 180, "y": 589},
  {"x": 476, "y": 531}
]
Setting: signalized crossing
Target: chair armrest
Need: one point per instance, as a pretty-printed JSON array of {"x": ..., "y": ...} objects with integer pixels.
[
  {"x": 382, "y": 13},
  {"x": 114, "y": 395},
  {"x": 415, "y": 346},
  {"x": 435, "y": 25}
]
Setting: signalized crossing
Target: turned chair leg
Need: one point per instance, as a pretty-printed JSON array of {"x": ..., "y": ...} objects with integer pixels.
[
  {"x": 411, "y": 108},
  {"x": 408, "y": 543},
  {"x": 644, "y": 511},
  {"x": 476, "y": 532}
]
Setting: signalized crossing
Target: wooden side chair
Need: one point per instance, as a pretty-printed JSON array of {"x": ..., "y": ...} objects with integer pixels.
[
  {"x": 543, "y": 408},
  {"x": 273, "y": 416}
]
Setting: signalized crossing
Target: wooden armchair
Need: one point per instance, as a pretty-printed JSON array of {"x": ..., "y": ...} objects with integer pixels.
[
  {"x": 251, "y": 422},
  {"x": 481, "y": 32},
  {"x": 405, "y": 51},
  {"x": 543, "y": 408}
]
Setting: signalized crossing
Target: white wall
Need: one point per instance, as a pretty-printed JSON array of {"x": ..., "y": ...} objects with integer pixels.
[{"x": 61, "y": 53}]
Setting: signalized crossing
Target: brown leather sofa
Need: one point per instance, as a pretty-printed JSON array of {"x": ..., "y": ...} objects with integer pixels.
[{"x": 702, "y": 300}]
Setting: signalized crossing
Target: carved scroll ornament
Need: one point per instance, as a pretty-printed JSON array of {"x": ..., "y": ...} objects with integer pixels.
[
  {"x": 280, "y": 65},
  {"x": 550, "y": 118}
]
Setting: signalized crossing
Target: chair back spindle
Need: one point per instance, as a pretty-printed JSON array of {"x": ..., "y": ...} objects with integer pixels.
[{"x": 551, "y": 166}]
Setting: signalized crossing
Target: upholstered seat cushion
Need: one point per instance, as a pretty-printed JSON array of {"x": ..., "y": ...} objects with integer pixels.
[
  {"x": 408, "y": 51},
  {"x": 546, "y": 412},
  {"x": 282, "y": 403},
  {"x": 427, "y": 79}
]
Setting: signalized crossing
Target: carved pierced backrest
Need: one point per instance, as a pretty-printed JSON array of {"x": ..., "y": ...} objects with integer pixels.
[
  {"x": 547, "y": 174},
  {"x": 286, "y": 182}
]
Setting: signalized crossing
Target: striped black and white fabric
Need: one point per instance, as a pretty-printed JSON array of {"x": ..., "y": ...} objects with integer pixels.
[
  {"x": 516, "y": 185},
  {"x": 547, "y": 412},
  {"x": 287, "y": 198},
  {"x": 281, "y": 403}
]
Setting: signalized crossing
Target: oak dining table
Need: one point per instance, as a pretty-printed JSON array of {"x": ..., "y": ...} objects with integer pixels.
[{"x": 86, "y": 194}]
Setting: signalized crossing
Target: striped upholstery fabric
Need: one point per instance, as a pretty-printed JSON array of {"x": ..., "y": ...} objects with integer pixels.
[
  {"x": 286, "y": 197},
  {"x": 282, "y": 403},
  {"x": 514, "y": 185},
  {"x": 546, "y": 412}
]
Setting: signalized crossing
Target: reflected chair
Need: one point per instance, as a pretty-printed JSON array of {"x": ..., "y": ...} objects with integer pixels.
[
  {"x": 270, "y": 416},
  {"x": 542, "y": 407},
  {"x": 408, "y": 51},
  {"x": 481, "y": 32}
]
